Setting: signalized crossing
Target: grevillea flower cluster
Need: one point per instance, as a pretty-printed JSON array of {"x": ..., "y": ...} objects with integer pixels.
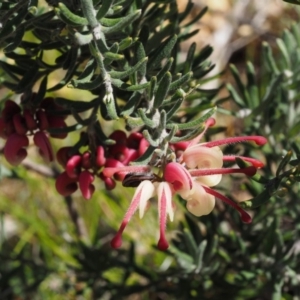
[
  {"x": 189, "y": 169},
  {"x": 18, "y": 122},
  {"x": 193, "y": 171},
  {"x": 81, "y": 169}
]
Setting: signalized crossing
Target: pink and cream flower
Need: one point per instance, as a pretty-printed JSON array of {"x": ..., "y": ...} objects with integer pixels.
[{"x": 197, "y": 169}]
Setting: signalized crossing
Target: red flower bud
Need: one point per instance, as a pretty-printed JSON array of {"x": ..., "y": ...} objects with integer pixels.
[
  {"x": 66, "y": 185},
  {"x": 100, "y": 157},
  {"x": 119, "y": 136},
  {"x": 57, "y": 122},
  {"x": 110, "y": 184},
  {"x": 131, "y": 155},
  {"x": 133, "y": 141},
  {"x": 11, "y": 108},
  {"x": 29, "y": 120},
  {"x": 14, "y": 151},
  {"x": 63, "y": 155},
  {"x": 113, "y": 163},
  {"x": 3, "y": 129},
  {"x": 86, "y": 160},
  {"x": 42, "y": 142},
  {"x": 144, "y": 144},
  {"x": 42, "y": 118},
  {"x": 19, "y": 124},
  {"x": 85, "y": 184},
  {"x": 73, "y": 166}
]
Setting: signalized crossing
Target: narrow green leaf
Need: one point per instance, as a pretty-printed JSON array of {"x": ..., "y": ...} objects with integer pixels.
[
  {"x": 269, "y": 59},
  {"x": 197, "y": 17},
  {"x": 194, "y": 123},
  {"x": 125, "y": 21},
  {"x": 42, "y": 91},
  {"x": 134, "y": 122},
  {"x": 141, "y": 54},
  {"x": 149, "y": 138},
  {"x": 285, "y": 53},
  {"x": 77, "y": 105},
  {"x": 124, "y": 74},
  {"x": 108, "y": 22},
  {"x": 148, "y": 122},
  {"x": 235, "y": 96},
  {"x": 251, "y": 85},
  {"x": 69, "y": 17},
  {"x": 166, "y": 68},
  {"x": 128, "y": 87},
  {"x": 175, "y": 106},
  {"x": 162, "y": 90},
  {"x": 189, "y": 136},
  {"x": 28, "y": 80},
  {"x": 163, "y": 51},
  {"x": 125, "y": 43},
  {"x": 87, "y": 73},
  {"x": 284, "y": 162},
  {"x": 131, "y": 104},
  {"x": 106, "y": 4},
  {"x": 181, "y": 81},
  {"x": 73, "y": 52},
  {"x": 189, "y": 58},
  {"x": 269, "y": 95},
  {"x": 145, "y": 158},
  {"x": 200, "y": 254},
  {"x": 16, "y": 40}
]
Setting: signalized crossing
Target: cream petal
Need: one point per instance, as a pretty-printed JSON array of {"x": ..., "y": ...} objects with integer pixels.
[
  {"x": 146, "y": 190},
  {"x": 164, "y": 190},
  {"x": 209, "y": 180},
  {"x": 200, "y": 203},
  {"x": 202, "y": 157}
]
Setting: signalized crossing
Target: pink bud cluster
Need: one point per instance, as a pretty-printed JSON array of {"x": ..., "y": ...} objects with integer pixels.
[
  {"x": 81, "y": 169},
  {"x": 18, "y": 122}
]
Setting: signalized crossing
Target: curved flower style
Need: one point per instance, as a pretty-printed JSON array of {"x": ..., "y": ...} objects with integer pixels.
[{"x": 198, "y": 168}]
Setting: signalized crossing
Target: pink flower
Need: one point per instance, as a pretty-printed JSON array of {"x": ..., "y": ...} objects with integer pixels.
[{"x": 198, "y": 167}]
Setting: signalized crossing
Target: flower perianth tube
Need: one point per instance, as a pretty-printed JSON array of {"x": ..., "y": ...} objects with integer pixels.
[
  {"x": 143, "y": 193},
  {"x": 164, "y": 208}
]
